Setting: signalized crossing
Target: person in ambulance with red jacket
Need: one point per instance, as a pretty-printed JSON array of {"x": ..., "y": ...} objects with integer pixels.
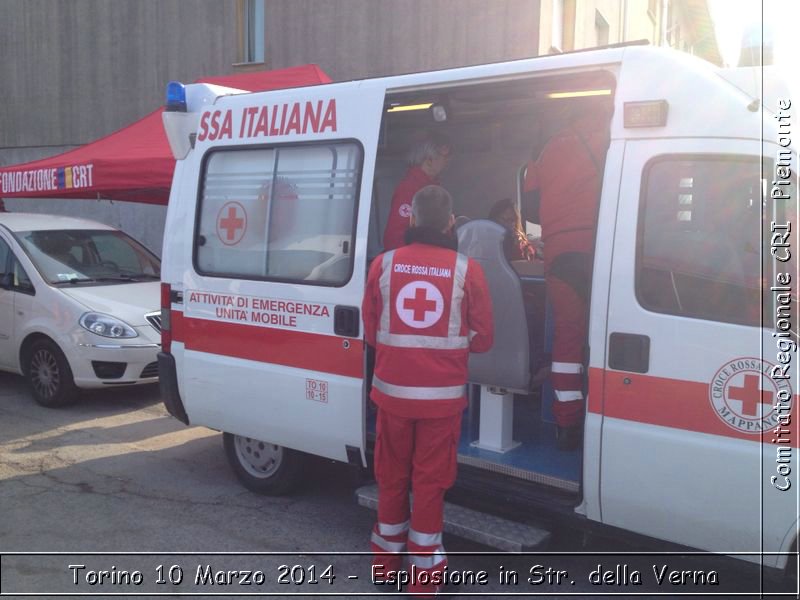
[
  {"x": 426, "y": 307},
  {"x": 426, "y": 161},
  {"x": 563, "y": 187}
]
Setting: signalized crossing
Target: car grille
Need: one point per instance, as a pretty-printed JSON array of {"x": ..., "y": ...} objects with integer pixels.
[
  {"x": 151, "y": 370},
  {"x": 154, "y": 318}
]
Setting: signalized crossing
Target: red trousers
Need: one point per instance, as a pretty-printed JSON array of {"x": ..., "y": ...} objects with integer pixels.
[
  {"x": 418, "y": 455},
  {"x": 570, "y": 320}
]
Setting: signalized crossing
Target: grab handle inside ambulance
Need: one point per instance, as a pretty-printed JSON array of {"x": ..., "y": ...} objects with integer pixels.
[{"x": 629, "y": 352}]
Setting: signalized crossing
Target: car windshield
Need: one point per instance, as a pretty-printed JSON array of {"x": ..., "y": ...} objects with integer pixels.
[{"x": 73, "y": 256}]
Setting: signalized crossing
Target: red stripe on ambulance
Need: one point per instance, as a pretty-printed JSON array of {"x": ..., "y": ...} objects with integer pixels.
[
  {"x": 667, "y": 403},
  {"x": 298, "y": 349}
]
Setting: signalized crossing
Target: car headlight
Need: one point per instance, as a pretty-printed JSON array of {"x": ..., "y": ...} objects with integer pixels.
[{"x": 106, "y": 326}]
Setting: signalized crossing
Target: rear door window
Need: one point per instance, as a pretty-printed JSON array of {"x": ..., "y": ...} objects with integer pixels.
[{"x": 284, "y": 214}]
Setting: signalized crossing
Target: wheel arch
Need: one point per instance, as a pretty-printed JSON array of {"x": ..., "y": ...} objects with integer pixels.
[
  {"x": 789, "y": 546},
  {"x": 26, "y": 346},
  {"x": 282, "y": 481}
]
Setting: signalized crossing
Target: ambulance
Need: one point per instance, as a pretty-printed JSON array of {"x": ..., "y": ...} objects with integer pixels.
[{"x": 277, "y": 208}]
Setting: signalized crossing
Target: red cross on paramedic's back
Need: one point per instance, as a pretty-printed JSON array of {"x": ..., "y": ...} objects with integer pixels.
[
  {"x": 419, "y": 304},
  {"x": 231, "y": 223},
  {"x": 751, "y": 395}
]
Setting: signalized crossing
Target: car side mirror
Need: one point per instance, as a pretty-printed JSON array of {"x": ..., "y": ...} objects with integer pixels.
[{"x": 7, "y": 281}]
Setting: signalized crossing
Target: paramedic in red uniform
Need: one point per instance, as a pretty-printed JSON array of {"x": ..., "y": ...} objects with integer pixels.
[
  {"x": 426, "y": 307},
  {"x": 565, "y": 185},
  {"x": 426, "y": 161}
]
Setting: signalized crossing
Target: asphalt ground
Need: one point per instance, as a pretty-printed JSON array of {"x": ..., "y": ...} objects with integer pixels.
[{"x": 111, "y": 496}]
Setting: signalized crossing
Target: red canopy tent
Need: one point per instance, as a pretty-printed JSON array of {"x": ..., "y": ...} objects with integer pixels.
[{"x": 135, "y": 163}]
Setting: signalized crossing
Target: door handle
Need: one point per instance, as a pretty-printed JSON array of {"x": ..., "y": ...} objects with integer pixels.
[
  {"x": 346, "y": 321},
  {"x": 629, "y": 352}
]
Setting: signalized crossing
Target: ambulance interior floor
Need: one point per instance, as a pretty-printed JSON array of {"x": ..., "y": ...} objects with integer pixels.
[{"x": 537, "y": 452}]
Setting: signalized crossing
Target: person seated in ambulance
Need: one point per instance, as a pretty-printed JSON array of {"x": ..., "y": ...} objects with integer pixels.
[
  {"x": 564, "y": 185},
  {"x": 426, "y": 161},
  {"x": 517, "y": 246}
]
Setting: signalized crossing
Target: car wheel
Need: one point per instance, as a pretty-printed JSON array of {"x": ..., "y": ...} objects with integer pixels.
[
  {"x": 263, "y": 467},
  {"x": 50, "y": 376}
]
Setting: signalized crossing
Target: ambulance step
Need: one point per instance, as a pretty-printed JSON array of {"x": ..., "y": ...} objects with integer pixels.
[{"x": 480, "y": 527}]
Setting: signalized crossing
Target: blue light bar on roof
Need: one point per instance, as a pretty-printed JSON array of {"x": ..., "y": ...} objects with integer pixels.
[{"x": 176, "y": 97}]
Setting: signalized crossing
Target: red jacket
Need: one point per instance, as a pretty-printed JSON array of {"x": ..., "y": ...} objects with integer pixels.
[
  {"x": 426, "y": 307},
  {"x": 568, "y": 176},
  {"x": 397, "y": 224}
]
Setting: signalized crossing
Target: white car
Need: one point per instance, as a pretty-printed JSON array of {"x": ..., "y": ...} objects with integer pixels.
[{"x": 79, "y": 306}]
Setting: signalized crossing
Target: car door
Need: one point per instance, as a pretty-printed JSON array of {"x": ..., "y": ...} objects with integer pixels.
[
  {"x": 689, "y": 390},
  {"x": 272, "y": 328},
  {"x": 16, "y": 305},
  {"x": 6, "y": 307}
]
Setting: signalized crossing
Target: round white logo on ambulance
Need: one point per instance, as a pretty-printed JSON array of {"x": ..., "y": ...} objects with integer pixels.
[
  {"x": 419, "y": 304},
  {"x": 404, "y": 210},
  {"x": 745, "y": 392}
]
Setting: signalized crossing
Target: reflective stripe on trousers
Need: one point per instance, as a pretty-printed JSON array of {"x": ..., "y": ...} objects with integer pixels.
[
  {"x": 386, "y": 545},
  {"x": 428, "y": 561},
  {"x": 424, "y": 539},
  {"x": 388, "y": 529}
]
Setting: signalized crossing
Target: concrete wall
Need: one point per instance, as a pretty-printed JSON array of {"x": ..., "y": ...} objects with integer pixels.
[
  {"x": 626, "y": 22},
  {"x": 144, "y": 222},
  {"x": 642, "y": 24},
  {"x": 76, "y": 70},
  {"x": 353, "y": 39}
]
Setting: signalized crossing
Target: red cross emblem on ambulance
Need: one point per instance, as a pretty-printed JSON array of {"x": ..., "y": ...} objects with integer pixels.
[
  {"x": 419, "y": 304},
  {"x": 743, "y": 394},
  {"x": 231, "y": 223}
]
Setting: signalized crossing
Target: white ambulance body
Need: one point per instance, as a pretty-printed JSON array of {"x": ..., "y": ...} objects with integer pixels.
[{"x": 278, "y": 205}]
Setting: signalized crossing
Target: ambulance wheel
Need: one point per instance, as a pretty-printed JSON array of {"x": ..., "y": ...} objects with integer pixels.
[{"x": 262, "y": 467}]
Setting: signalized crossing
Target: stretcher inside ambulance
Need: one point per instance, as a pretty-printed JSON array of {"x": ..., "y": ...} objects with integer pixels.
[{"x": 279, "y": 204}]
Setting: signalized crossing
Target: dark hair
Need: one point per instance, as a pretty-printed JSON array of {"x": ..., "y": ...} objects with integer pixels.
[
  {"x": 501, "y": 206},
  {"x": 432, "y": 207}
]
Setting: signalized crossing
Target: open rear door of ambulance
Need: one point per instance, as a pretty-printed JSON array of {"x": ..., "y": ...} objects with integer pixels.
[{"x": 274, "y": 352}]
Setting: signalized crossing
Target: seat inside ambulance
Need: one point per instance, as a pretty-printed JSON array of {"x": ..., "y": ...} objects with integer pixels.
[{"x": 495, "y": 129}]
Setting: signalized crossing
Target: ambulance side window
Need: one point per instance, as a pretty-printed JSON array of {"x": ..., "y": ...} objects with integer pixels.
[
  {"x": 285, "y": 213},
  {"x": 699, "y": 245}
]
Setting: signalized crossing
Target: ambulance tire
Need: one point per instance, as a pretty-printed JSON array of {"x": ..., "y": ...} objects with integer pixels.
[{"x": 262, "y": 467}]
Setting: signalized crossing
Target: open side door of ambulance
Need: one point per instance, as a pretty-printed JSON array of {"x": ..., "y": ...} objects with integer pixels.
[{"x": 271, "y": 328}]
